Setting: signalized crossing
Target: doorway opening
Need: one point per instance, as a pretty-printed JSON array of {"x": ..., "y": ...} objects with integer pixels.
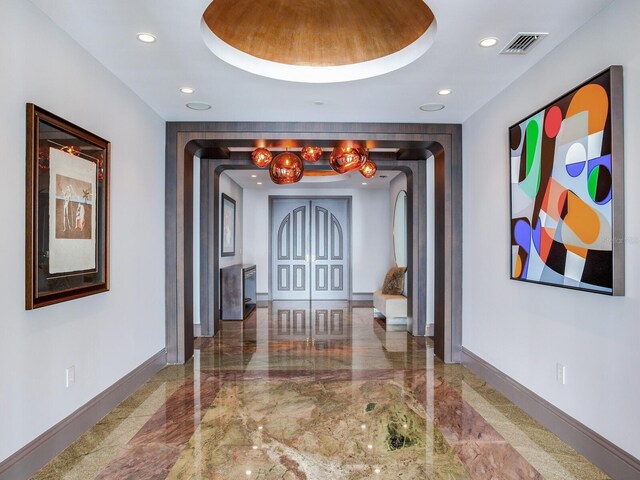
[{"x": 227, "y": 146}]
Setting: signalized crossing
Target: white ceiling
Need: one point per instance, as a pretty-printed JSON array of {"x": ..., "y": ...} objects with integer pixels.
[
  {"x": 350, "y": 180},
  {"x": 107, "y": 29}
]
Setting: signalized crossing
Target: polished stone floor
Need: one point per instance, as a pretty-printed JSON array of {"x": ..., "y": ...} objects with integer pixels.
[{"x": 320, "y": 391}]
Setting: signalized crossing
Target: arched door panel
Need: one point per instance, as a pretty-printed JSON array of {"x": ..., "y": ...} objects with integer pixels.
[{"x": 310, "y": 242}]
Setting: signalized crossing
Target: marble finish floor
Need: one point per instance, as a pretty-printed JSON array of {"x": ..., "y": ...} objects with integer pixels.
[{"x": 320, "y": 391}]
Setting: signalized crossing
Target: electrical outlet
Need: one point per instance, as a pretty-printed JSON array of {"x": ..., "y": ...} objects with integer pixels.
[
  {"x": 561, "y": 374},
  {"x": 70, "y": 376}
]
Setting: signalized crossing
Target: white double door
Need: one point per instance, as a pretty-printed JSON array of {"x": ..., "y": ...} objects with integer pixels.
[{"x": 310, "y": 245}]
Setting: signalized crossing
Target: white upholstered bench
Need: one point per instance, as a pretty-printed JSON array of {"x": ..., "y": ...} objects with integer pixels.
[{"x": 393, "y": 307}]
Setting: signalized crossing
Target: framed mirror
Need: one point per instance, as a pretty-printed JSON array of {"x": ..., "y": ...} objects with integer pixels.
[{"x": 400, "y": 229}]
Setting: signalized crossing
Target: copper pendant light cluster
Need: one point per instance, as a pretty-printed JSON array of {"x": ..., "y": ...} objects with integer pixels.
[
  {"x": 348, "y": 159},
  {"x": 287, "y": 167}
]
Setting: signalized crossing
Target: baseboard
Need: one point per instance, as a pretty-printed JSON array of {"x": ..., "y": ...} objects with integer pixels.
[
  {"x": 362, "y": 297},
  {"x": 366, "y": 298},
  {"x": 601, "y": 452},
  {"x": 361, "y": 304},
  {"x": 36, "y": 454},
  {"x": 357, "y": 296},
  {"x": 430, "y": 330},
  {"x": 197, "y": 330}
]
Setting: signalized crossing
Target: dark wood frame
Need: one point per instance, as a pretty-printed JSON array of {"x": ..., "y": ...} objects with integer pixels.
[
  {"x": 210, "y": 141},
  {"x": 616, "y": 112},
  {"x": 222, "y": 206},
  {"x": 34, "y": 298}
]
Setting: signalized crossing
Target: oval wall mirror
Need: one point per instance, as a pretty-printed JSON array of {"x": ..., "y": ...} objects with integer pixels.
[{"x": 400, "y": 229}]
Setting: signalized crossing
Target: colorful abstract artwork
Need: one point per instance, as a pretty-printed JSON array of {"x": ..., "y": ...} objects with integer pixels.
[{"x": 564, "y": 162}]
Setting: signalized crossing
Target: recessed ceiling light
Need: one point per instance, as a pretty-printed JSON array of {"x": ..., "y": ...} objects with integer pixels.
[
  {"x": 431, "y": 107},
  {"x": 254, "y": 176},
  {"x": 146, "y": 37},
  {"x": 259, "y": 183},
  {"x": 364, "y": 183},
  {"x": 198, "y": 106},
  {"x": 488, "y": 42},
  {"x": 445, "y": 91},
  {"x": 187, "y": 90}
]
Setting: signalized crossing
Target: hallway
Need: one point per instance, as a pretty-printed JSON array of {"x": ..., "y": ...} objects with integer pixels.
[{"x": 317, "y": 393}]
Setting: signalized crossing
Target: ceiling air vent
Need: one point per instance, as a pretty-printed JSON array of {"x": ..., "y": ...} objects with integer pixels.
[{"x": 523, "y": 43}]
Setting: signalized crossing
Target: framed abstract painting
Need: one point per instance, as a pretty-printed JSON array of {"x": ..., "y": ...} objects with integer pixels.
[
  {"x": 567, "y": 190},
  {"x": 67, "y": 241}
]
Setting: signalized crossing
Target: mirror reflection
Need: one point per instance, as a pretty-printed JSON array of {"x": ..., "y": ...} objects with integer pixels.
[{"x": 400, "y": 229}]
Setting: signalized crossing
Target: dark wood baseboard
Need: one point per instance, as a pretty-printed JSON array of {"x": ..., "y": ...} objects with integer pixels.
[
  {"x": 37, "y": 453},
  {"x": 361, "y": 304},
  {"x": 359, "y": 299},
  {"x": 601, "y": 452},
  {"x": 362, "y": 297}
]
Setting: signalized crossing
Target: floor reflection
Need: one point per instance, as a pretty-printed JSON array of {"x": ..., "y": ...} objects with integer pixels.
[
  {"x": 317, "y": 391},
  {"x": 321, "y": 336}
]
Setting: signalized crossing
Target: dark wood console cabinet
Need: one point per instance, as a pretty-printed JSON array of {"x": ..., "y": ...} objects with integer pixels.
[{"x": 237, "y": 291}]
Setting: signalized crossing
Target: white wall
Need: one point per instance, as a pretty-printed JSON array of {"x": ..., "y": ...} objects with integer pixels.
[
  {"x": 525, "y": 329},
  {"x": 105, "y": 336},
  {"x": 232, "y": 189},
  {"x": 371, "y": 241}
]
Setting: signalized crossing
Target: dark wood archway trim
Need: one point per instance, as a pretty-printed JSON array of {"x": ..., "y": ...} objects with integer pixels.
[{"x": 211, "y": 141}]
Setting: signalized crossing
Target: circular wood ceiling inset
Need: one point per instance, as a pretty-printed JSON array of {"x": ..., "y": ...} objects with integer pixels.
[{"x": 318, "y": 33}]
